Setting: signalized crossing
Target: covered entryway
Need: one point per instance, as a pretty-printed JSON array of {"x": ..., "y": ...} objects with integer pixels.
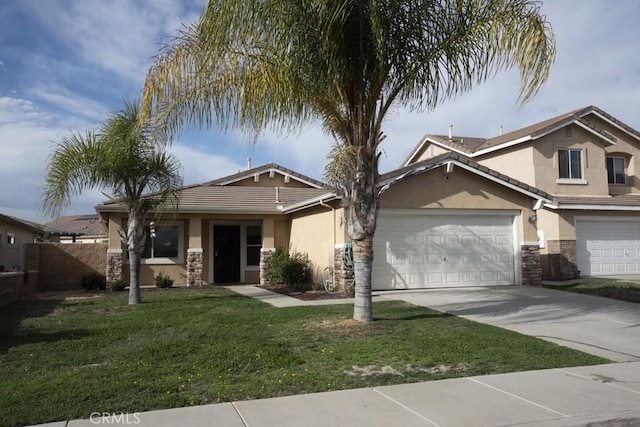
[
  {"x": 608, "y": 247},
  {"x": 426, "y": 248}
]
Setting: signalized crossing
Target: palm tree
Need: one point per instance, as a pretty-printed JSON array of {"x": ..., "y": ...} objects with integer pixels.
[
  {"x": 257, "y": 64},
  {"x": 120, "y": 158}
]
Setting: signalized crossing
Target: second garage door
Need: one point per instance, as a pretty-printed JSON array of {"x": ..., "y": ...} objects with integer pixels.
[
  {"x": 607, "y": 247},
  {"x": 413, "y": 249}
]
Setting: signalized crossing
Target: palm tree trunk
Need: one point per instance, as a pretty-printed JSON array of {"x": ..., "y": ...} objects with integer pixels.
[
  {"x": 135, "y": 244},
  {"x": 362, "y": 265},
  {"x": 134, "y": 278}
]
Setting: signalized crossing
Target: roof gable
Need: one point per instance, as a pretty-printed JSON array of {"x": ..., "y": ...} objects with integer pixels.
[
  {"x": 474, "y": 147},
  {"x": 269, "y": 170},
  {"x": 451, "y": 160}
]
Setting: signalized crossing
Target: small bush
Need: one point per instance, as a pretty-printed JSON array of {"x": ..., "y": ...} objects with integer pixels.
[
  {"x": 163, "y": 281},
  {"x": 118, "y": 285},
  {"x": 92, "y": 281},
  {"x": 293, "y": 270}
]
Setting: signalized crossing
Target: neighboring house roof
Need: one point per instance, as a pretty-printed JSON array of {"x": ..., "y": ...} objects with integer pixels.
[
  {"x": 75, "y": 225},
  {"x": 451, "y": 160},
  {"x": 218, "y": 196},
  {"x": 271, "y": 168},
  {"x": 473, "y": 147},
  {"x": 22, "y": 223}
]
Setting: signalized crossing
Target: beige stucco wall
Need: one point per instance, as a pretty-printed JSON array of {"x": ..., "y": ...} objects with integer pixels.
[
  {"x": 315, "y": 232},
  {"x": 593, "y": 163},
  {"x": 516, "y": 162},
  {"x": 459, "y": 189}
]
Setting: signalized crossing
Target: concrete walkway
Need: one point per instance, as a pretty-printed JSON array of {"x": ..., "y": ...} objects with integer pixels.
[{"x": 603, "y": 395}]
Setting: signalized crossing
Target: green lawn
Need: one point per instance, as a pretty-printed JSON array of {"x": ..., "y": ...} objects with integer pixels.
[
  {"x": 64, "y": 359},
  {"x": 624, "y": 291}
]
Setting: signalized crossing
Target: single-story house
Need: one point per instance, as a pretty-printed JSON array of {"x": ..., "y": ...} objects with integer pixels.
[
  {"x": 15, "y": 233},
  {"x": 556, "y": 199}
]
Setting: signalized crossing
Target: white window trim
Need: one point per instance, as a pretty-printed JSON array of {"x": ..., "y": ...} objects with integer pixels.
[
  {"x": 579, "y": 181},
  {"x": 624, "y": 170},
  {"x": 572, "y": 181},
  {"x": 167, "y": 261}
]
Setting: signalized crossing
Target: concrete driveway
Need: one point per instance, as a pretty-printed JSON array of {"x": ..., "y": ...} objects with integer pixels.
[{"x": 595, "y": 325}]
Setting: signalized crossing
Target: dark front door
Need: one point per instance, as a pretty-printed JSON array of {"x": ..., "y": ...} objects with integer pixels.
[{"x": 226, "y": 253}]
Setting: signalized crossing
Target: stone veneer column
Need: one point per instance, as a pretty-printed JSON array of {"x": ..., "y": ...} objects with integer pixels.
[
  {"x": 531, "y": 264},
  {"x": 343, "y": 276},
  {"x": 114, "y": 265},
  {"x": 563, "y": 259},
  {"x": 265, "y": 255},
  {"x": 194, "y": 266}
]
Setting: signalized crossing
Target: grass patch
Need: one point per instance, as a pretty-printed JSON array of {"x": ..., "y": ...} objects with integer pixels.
[
  {"x": 64, "y": 359},
  {"x": 623, "y": 291}
]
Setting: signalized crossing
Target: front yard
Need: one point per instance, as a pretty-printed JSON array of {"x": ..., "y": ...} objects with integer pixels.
[{"x": 64, "y": 359}]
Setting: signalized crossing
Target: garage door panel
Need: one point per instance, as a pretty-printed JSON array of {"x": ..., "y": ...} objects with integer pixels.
[
  {"x": 608, "y": 246},
  {"x": 417, "y": 251}
]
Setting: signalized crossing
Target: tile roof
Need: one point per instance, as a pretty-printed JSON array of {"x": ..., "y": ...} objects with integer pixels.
[
  {"x": 32, "y": 226},
  {"x": 262, "y": 169},
  {"x": 248, "y": 199},
  {"x": 618, "y": 200},
  {"x": 473, "y": 146},
  {"x": 87, "y": 224}
]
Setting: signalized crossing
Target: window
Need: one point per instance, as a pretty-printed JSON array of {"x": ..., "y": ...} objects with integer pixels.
[
  {"x": 164, "y": 244},
  {"x": 615, "y": 170},
  {"x": 570, "y": 164},
  {"x": 11, "y": 238},
  {"x": 254, "y": 244}
]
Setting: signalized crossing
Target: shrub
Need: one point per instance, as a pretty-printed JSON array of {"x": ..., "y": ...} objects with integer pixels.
[
  {"x": 292, "y": 270},
  {"x": 118, "y": 285},
  {"x": 92, "y": 281},
  {"x": 163, "y": 281}
]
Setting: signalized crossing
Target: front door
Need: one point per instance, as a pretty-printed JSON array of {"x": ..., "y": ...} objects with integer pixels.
[{"x": 226, "y": 253}]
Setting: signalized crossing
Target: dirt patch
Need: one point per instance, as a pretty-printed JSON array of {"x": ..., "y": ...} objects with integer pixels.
[
  {"x": 304, "y": 295},
  {"x": 367, "y": 371}
]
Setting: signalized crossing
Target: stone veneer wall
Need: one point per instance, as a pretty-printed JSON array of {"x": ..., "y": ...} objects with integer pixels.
[
  {"x": 531, "y": 265},
  {"x": 343, "y": 276},
  {"x": 194, "y": 267},
  {"x": 115, "y": 260},
  {"x": 562, "y": 259},
  {"x": 265, "y": 255}
]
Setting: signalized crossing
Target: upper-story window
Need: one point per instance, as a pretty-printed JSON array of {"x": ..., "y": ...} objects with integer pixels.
[
  {"x": 570, "y": 164},
  {"x": 615, "y": 170}
]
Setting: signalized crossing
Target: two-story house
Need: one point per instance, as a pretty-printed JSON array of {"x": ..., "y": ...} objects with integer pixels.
[{"x": 586, "y": 161}]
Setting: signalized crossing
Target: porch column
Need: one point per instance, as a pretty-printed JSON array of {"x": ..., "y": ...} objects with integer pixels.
[
  {"x": 115, "y": 255},
  {"x": 268, "y": 247},
  {"x": 195, "y": 258}
]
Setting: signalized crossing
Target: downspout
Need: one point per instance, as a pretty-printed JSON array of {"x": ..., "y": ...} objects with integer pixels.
[{"x": 333, "y": 255}]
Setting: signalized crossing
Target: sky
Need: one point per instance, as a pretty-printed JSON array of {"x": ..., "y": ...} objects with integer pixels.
[{"x": 65, "y": 64}]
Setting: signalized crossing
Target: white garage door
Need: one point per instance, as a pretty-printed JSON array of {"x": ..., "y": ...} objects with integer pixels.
[
  {"x": 606, "y": 247},
  {"x": 413, "y": 249}
]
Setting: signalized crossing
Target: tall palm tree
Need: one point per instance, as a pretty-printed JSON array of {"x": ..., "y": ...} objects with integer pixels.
[
  {"x": 121, "y": 159},
  {"x": 259, "y": 64}
]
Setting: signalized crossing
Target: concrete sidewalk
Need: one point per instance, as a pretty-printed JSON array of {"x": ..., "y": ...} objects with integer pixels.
[{"x": 603, "y": 395}]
